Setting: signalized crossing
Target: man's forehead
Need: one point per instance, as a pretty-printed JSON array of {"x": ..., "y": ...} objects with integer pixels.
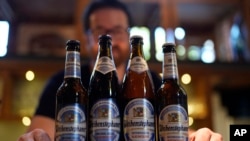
[{"x": 108, "y": 17}]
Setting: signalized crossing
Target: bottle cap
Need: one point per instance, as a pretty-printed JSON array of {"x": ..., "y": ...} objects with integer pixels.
[
  {"x": 73, "y": 45},
  {"x": 105, "y": 38},
  {"x": 135, "y": 39},
  {"x": 73, "y": 42},
  {"x": 168, "y": 47}
]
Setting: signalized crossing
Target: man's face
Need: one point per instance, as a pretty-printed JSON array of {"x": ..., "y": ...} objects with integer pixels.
[{"x": 115, "y": 23}]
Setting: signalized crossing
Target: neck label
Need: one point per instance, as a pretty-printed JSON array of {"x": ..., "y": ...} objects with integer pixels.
[
  {"x": 138, "y": 64},
  {"x": 170, "y": 66},
  {"x": 72, "y": 65},
  {"x": 105, "y": 65}
]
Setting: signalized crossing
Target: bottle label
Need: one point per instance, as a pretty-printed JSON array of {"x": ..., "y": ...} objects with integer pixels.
[
  {"x": 72, "y": 65},
  {"x": 173, "y": 124},
  {"x": 71, "y": 124},
  {"x": 170, "y": 69},
  {"x": 139, "y": 124},
  {"x": 105, "y": 122},
  {"x": 138, "y": 64},
  {"x": 105, "y": 65}
]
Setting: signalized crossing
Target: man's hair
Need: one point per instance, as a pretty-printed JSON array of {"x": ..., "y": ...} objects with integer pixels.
[{"x": 101, "y": 4}]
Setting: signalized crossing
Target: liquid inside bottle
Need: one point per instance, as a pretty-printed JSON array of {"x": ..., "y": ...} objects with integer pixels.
[
  {"x": 105, "y": 119},
  {"x": 139, "y": 97},
  {"x": 171, "y": 100}
]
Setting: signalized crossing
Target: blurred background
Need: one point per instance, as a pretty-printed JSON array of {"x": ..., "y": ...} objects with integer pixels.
[{"x": 213, "y": 50}]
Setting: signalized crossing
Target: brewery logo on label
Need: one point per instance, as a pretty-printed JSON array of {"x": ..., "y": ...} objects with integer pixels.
[
  {"x": 105, "y": 122},
  {"x": 173, "y": 123},
  {"x": 138, "y": 120},
  {"x": 71, "y": 124}
]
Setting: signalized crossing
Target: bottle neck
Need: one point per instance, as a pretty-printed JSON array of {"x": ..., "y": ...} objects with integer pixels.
[
  {"x": 72, "y": 65},
  {"x": 137, "y": 51},
  {"x": 105, "y": 62},
  {"x": 105, "y": 50},
  {"x": 169, "y": 67},
  {"x": 137, "y": 62}
]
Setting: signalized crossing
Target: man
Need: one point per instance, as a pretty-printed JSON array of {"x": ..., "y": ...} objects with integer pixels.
[{"x": 103, "y": 17}]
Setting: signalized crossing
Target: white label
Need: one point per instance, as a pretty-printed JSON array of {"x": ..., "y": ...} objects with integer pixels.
[
  {"x": 105, "y": 122},
  {"x": 173, "y": 124},
  {"x": 71, "y": 124},
  {"x": 170, "y": 66},
  {"x": 105, "y": 65},
  {"x": 72, "y": 66},
  {"x": 138, "y": 64},
  {"x": 138, "y": 120}
]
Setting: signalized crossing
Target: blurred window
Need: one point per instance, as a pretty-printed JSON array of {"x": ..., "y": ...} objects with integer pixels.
[
  {"x": 4, "y": 34},
  {"x": 145, "y": 33}
]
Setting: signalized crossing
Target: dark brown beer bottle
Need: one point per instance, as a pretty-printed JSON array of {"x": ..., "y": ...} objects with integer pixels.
[
  {"x": 105, "y": 118},
  {"x": 139, "y": 98},
  {"x": 171, "y": 100},
  {"x": 71, "y": 99}
]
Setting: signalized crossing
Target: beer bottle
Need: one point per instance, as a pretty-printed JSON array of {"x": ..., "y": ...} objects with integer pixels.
[
  {"x": 171, "y": 100},
  {"x": 139, "y": 97},
  {"x": 105, "y": 120},
  {"x": 71, "y": 99}
]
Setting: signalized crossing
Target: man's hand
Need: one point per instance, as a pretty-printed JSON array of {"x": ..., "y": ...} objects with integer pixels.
[
  {"x": 205, "y": 134},
  {"x": 35, "y": 135}
]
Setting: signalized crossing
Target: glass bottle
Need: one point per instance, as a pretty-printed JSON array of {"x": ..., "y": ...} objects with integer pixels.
[
  {"x": 105, "y": 120},
  {"x": 139, "y": 97},
  {"x": 71, "y": 99},
  {"x": 172, "y": 100}
]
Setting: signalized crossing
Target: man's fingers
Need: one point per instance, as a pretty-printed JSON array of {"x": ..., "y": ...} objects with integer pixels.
[
  {"x": 35, "y": 135},
  {"x": 205, "y": 134}
]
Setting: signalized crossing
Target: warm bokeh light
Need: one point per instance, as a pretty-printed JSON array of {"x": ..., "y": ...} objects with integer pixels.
[
  {"x": 197, "y": 110},
  {"x": 186, "y": 78},
  {"x": 161, "y": 75},
  {"x": 26, "y": 121},
  {"x": 30, "y": 75},
  {"x": 190, "y": 121}
]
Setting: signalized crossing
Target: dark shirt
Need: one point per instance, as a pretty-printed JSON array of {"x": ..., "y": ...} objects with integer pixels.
[{"x": 46, "y": 106}]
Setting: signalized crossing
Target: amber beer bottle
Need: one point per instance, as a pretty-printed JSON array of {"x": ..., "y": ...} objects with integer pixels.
[
  {"x": 71, "y": 99},
  {"x": 105, "y": 118},
  {"x": 171, "y": 100},
  {"x": 139, "y": 97}
]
